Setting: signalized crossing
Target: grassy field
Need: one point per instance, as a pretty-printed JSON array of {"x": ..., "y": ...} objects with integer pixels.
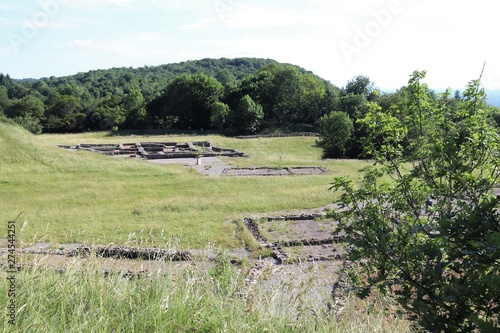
[
  {"x": 205, "y": 298},
  {"x": 68, "y": 196}
]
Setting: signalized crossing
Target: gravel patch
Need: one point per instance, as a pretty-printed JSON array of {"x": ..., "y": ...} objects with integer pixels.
[{"x": 210, "y": 166}]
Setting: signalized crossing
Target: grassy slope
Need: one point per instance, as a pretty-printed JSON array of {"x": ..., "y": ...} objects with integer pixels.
[{"x": 84, "y": 197}]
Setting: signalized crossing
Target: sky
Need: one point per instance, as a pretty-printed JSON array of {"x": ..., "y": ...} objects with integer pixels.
[{"x": 385, "y": 40}]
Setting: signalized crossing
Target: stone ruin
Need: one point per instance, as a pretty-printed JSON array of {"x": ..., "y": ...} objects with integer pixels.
[
  {"x": 160, "y": 150},
  {"x": 314, "y": 243},
  {"x": 311, "y": 241},
  {"x": 267, "y": 171},
  {"x": 282, "y": 135}
]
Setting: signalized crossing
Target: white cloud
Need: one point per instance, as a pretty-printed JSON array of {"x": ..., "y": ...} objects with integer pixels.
[{"x": 449, "y": 39}]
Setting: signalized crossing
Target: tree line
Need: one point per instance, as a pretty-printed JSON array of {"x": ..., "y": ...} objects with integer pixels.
[
  {"x": 230, "y": 96},
  {"x": 233, "y": 96},
  {"x": 111, "y": 99}
]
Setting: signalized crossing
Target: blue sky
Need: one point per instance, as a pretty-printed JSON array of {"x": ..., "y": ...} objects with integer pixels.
[{"x": 336, "y": 39}]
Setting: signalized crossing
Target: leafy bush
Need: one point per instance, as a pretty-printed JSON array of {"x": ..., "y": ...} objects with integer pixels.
[
  {"x": 336, "y": 129},
  {"x": 425, "y": 217}
]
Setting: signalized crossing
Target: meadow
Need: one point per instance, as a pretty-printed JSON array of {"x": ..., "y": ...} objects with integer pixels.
[{"x": 67, "y": 196}]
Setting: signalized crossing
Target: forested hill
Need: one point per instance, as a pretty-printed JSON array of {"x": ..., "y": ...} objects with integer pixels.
[
  {"x": 151, "y": 80},
  {"x": 181, "y": 95},
  {"x": 230, "y": 96}
]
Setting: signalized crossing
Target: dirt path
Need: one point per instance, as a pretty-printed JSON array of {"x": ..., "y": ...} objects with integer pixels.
[
  {"x": 210, "y": 166},
  {"x": 214, "y": 166}
]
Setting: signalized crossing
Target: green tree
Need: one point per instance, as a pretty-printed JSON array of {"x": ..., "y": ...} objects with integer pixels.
[
  {"x": 248, "y": 116},
  {"x": 225, "y": 77},
  {"x": 63, "y": 115},
  {"x": 288, "y": 90},
  {"x": 109, "y": 114},
  {"x": 135, "y": 111},
  {"x": 29, "y": 105},
  {"x": 423, "y": 222},
  {"x": 494, "y": 115},
  {"x": 259, "y": 88},
  {"x": 27, "y": 112},
  {"x": 30, "y": 123},
  {"x": 220, "y": 116},
  {"x": 353, "y": 105},
  {"x": 4, "y": 99},
  {"x": 336, "y": 129},
  {"x": 359, "y": 85},
  {"x": 42, "y": 87},
  {"x": 188, "y": 100},
  {"x": 288, "y": 94}
]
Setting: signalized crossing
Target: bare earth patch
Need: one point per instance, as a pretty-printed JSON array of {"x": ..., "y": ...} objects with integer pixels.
[
  {"x": 265, "y": 171},
  {"x": 287, "y": 230}
]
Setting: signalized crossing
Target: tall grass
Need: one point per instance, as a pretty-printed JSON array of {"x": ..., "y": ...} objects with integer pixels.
[
  {"x": 202, "y": 298},
  {"x": 85, "y": 197}
]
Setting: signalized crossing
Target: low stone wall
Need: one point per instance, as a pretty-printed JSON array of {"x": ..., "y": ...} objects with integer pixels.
[
  {"x": 301, "y": 217},
  {"x": 123, "y": 252},
  {"x": 169, "y": 155},
  {"x": 340, "y": 288},
  {"x": 160, "y": 150},
  {"x": 279, "y": 135},
  {"x": 313, "y": 241},
  {"x": 278, "y": 251},
  {"x": 254, "y": 230},
  {"x": 117, "y": 252},
  {"x": 269, "y": 171},
  {"x": 96, "y": 145}
]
